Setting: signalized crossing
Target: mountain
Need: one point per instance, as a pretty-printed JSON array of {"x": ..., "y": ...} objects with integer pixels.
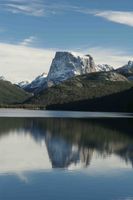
[
  {"x": 66, "y": 65},
  {"x": 127, "y": 70},
  {"x": 82, "y": 87},
  {"x": 10, "y": 94},
  {"x": 38, "y": 84},
  {"x": 23, "y": 84},
  {"x": 104, "y": 67}
]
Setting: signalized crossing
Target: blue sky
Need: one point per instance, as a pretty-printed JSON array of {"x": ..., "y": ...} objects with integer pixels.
[{"x": 33, "y": 30}]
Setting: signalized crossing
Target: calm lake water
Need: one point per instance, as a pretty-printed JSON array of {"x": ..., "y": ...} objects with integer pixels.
[{"x": 56, "y": 157}]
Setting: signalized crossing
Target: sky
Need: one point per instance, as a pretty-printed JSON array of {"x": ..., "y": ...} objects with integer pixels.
[{"x": 32, "y": 31}]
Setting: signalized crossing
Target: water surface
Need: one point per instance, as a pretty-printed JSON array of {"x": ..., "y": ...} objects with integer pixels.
[
  {"x": 61, "y": 114},
  {"x": 69, "y": 159}
]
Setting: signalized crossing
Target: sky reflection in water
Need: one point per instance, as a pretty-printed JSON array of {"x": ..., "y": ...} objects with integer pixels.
[{"x": 86, "y": 154}]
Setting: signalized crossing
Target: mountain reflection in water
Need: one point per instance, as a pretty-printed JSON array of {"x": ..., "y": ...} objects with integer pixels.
[{"x": 43, "y": 144}]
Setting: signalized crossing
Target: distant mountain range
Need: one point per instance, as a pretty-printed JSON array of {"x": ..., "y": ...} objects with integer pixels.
[
  {"x": 71, "y": 78},
  {"x": 67, "y": 65},
  {"x": 79, "y": 88},
  {"x": 36, "y": 85},
  {"x": 64, "y": 66}
]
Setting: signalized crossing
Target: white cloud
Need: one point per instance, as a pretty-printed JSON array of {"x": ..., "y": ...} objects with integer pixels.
[
  {"x": 23, "y": 63},
  {"x": 121, "y": 17},
  {"x": 37, "y": 8},
  {"x": 20, "y": 153},
  {"x": 125, "y": 18},
  {"x": 33, "y": 9},
  {"x": 27, "y": 41},
  {"x": 30, "y": 7}
]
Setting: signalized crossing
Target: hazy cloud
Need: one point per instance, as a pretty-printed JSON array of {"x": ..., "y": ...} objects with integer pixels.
[
  {"x": 41, "y": 8},
  {"x": 114, "y": 57},
  {"x": 27, "y": 41},
  {"x": 23, "y": 63},
  {"x": 30, "y": 7},
  {"x": 117, "y": 16},
  {"x": 121, "y": 17},
  {"x": 36, "y": 8}
]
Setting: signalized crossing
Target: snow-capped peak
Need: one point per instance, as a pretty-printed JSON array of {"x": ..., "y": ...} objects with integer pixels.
[
  {"x": 104, "y": 67},
  {"x": 37, "y": 84},
  {"x": 128, "y": 68},
  {"x": 43, "y": 75},
  {"x": 39, "y": 81},
  {"x": 23, "y": 84},
  {"x": 67, "y": 64}
]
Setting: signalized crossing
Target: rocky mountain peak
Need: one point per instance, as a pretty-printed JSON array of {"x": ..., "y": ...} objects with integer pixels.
[
  {"x": 130, "y": 63},
  {"x": 126, "y": 69},
  {"x": 104, "y": 67},
  {"x": 66, "y": 65},
  {"x": 23, "y": 84}
]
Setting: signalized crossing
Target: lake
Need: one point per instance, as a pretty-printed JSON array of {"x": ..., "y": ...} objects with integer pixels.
[{"x": 65, "y": 155}]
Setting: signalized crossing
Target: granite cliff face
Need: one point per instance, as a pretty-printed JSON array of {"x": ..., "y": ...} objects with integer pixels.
[{"x": 66, "y": 65}]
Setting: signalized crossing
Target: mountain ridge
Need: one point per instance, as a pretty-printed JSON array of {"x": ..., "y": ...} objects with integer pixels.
[
  {"x": 11, "y": 94},
  {"x": 66, "y": 65},
  {"x": 81, "y": 87}
]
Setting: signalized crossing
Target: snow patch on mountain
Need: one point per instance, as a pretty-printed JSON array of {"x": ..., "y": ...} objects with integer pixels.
[
  {"x": 37, "y": 84},
  {"x": 38, "y": 81},
  {"x": 23, "y": 84},
  {"x": 126, "y": 68},
  {"x": 104, "y": 68}
]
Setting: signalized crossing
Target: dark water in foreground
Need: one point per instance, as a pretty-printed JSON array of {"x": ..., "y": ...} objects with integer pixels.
[{"x": 66, "y": 159}]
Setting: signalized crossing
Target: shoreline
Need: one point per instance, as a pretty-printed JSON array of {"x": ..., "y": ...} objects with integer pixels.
[{"x": 21, "y": 113}]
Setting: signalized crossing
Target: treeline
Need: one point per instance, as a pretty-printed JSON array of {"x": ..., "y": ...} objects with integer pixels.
[
  {"x": 23, "y": 106},
  {"x": 117, "y": 102}
]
